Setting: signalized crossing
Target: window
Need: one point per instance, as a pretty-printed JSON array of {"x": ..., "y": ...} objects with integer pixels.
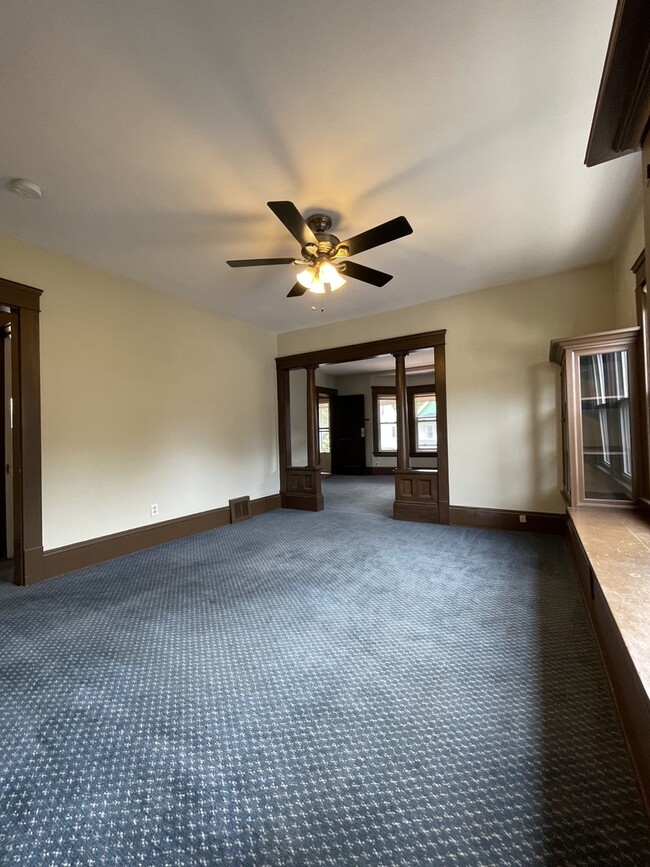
[
  {"x": 422, "y": 420},
  {"x": 324, "y": 425},
  {"x": 643, "y": 319},
  {"x": 386, "y": 412},
  {"x": 423, "y": 411}
]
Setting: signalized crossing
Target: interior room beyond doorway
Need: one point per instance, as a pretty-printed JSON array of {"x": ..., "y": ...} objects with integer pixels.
[{"x": 357, "y": 416}]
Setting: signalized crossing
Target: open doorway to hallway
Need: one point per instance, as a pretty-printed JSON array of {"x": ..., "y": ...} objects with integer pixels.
[{"x": 368, "y": 423}]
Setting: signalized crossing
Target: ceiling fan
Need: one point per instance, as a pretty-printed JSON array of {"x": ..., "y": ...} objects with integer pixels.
[{"x": 325, "y": 257}]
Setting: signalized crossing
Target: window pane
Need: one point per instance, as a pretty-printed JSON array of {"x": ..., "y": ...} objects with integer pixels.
[
  {"x": 425, "y": 406},
  {"x": 387, "y": 410},
  {"x": 324, "y": 442},
  {"x": 606, "y": 435},
  {"x": 388, "y": 437},
  {"x": 427, "y": 436},
  {"x": 324, "y": 413}
]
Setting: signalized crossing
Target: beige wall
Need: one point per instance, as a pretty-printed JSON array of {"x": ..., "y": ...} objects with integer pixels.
[
  {"x": 145, "y": 399},
  {"x": 631, "y": 246},
  {"x": 502, "y": 390}
]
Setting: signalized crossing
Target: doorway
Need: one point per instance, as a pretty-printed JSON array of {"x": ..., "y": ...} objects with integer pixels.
[
  {"x": 348, "y": 435},
  {"x": 417, "y": 461},
  {"x": 21, "y": 533}
]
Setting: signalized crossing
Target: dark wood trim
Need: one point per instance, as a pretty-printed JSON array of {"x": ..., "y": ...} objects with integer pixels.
[
  {"x": 382, "y": 471},
  {"x": 5, "y": 332},
  {"x": 284, "y": 424},
  {"x": 25, "y": 304},
  {"x": 567, "y": 353},
  {"x": 411, "y": 392},
  {"x": 357, "y": 351},
  {"x": 623, "y": 103},
  {"x": 416, "y": 496},
  {"x": 630, "y": 697},
  {"x": 442, "y": 462},
  {"x": 401, "y": 405},
  {"x": 303, "y": 489},
  {"x": 313, "y": 451},
  {"x": 92, "y": 551},
  {"x": 377, "y": 391},
  {"x": 396, "y": 345},
  {"x": 507, "y": 519},
  {"x": 19, "y": 295},
  {"x": 643, "y": 376},
  {"x": 30, "y": 414},
  {"x": 638, "y": 269}
]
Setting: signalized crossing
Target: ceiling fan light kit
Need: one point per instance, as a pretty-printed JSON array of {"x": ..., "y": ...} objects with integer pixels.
[{"x": 324, "y": 255}]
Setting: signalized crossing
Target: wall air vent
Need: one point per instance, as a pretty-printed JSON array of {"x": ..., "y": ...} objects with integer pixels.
[{"x": 240, "y": 509}]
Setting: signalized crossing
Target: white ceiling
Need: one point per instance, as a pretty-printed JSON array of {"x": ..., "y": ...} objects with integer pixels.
[{"x": 159, "y": 129}]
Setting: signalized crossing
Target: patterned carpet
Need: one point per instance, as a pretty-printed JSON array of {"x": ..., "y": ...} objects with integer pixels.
[{"x": 313, "y": 689}]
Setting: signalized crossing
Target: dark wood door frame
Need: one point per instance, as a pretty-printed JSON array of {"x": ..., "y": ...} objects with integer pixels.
[
  {"x": 24, "y": 304},
  {"x": 290, "y": 476}
]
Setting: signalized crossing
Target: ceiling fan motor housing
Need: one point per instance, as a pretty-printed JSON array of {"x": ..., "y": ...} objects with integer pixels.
[{"x": 319, "y": 223}]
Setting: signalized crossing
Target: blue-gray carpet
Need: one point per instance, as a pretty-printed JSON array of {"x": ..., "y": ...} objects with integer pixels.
[{"x": 313, "y": 689}]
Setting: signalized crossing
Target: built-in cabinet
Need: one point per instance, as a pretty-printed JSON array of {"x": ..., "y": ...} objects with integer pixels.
[{"x": 599, "y": 417}]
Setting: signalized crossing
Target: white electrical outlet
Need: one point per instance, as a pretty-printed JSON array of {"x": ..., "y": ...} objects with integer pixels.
[
  {"x": 522, "y": 519},
  {"x": 154, "y": 510}
]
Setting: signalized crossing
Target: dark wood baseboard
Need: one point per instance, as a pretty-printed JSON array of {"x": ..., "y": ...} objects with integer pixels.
[
  {"x": 419, "y": 512},
  {"x": 68, "y": 558},
  {"x": 505, "y": 519},
  {"x": 303, "y": 502},
  {"x": 381, "y": 471}
]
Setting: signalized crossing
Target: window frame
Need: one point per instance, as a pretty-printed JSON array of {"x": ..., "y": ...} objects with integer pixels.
[
  {"x": 411, "y": 392},
  {"x": 325, "y": 399},
  {"x": 377, "y": 392}
]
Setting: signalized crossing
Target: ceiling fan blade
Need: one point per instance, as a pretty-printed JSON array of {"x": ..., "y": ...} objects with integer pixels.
[
  {"x": 368, "y": 275},
  {"x": 296, "y": 290},
  {"x": 389, "y": 231},
  {"x": 289, "y": 214},
  {"x": 246, "y": 263}
]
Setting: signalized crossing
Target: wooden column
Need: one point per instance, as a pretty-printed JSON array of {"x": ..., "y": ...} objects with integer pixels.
[
  {"x": 403, "y": 460},
  {"x": 302, "y": 486},
  {"x": 416, "y": 491},
  {"x": 443, "y": 459},
  {"x": 313, "y": 451},
  {"x": 284, "y": 424}
]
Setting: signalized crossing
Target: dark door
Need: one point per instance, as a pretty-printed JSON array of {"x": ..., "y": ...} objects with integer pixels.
[{"x": 348, "y": 435}]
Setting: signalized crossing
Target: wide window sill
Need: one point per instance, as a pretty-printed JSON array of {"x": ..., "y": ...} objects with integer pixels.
[{"x": 617, "y": 544}]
